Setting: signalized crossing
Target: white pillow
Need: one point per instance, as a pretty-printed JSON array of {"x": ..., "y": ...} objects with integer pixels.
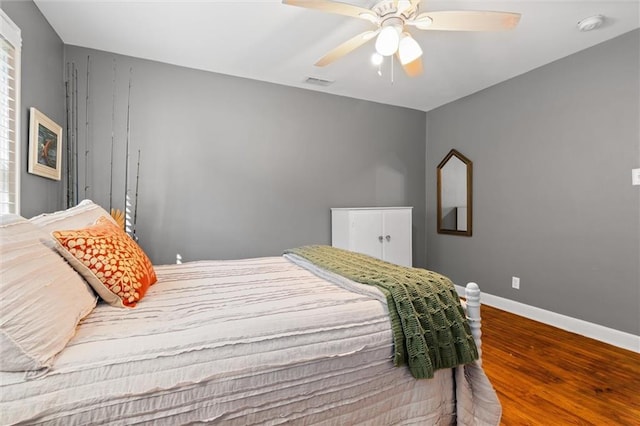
[
  {"x": 42, "y": 298},
  {"x": 80, "y": 216}
]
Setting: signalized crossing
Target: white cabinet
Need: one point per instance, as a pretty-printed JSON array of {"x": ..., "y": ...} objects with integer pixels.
[{"x": 384, "y": 233}]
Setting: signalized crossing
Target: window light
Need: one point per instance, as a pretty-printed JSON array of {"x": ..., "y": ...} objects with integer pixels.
[{"x": 10, "y": 46}]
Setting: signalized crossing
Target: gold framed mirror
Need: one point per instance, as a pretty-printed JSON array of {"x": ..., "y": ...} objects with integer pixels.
[{"x": 454, "y": 194}]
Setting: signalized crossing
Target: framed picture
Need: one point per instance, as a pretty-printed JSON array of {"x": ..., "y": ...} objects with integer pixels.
[{"x": 45, "y": 146}]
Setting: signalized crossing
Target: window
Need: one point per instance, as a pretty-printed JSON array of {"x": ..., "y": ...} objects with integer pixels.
[{"x": 11, "y": 42}]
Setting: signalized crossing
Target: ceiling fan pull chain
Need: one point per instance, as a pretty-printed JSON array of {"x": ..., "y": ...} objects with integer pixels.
[{"x": 391, "y": 59}]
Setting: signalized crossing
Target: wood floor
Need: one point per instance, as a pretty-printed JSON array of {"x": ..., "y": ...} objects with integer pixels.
[{"x": 547, "y": 376}]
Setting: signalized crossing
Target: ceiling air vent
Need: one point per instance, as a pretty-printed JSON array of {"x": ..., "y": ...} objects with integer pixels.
[{"x": 318, "y": 81}]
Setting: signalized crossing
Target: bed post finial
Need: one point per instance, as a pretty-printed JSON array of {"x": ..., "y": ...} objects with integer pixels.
[{"x": 472, "y": 294}]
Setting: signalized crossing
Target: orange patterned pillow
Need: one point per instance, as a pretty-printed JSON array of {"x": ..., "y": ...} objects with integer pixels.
[{"x": 113, "y": 264}]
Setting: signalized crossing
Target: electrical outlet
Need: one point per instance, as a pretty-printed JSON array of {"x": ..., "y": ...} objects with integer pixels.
[
  {"x": 635, "y": 176},
  {"x": 515, "y": 283}
]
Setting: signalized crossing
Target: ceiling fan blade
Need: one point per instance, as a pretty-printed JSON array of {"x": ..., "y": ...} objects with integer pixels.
[
  {"x": 413, "y": 69},
  {"x": 346, "y": 47},
  {"x": 334, "y": 7},
  {"x": 466, "y": 20},
  {"x": 407, "y": 7}
]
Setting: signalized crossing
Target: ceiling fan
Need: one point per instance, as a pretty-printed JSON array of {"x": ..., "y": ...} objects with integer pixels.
[{"x": 393, "y": 19}]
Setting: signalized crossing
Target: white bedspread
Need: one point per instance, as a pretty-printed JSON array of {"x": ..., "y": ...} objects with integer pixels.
[{"x": 255, "y": 341}]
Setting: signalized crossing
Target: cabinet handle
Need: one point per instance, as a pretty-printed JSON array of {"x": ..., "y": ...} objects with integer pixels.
[
  {"x": 380, "y": 238},
  {"x": 388, "y": 237}
]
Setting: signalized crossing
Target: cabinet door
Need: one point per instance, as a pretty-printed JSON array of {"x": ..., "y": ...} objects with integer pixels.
[
  {"x": 396, "y": 227},
  {"x": 365, "y": 228}
]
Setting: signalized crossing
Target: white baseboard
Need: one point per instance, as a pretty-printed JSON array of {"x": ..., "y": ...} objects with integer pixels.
[{"x": 598, "y": 332}]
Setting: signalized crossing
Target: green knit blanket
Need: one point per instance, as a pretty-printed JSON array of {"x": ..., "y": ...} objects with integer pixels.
[{"x": 430, "y": 330}]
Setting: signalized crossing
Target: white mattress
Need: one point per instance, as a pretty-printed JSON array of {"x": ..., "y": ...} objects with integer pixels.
[{"x": 256, "y": 341}]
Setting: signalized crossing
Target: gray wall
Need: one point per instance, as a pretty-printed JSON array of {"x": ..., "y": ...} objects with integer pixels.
[
  {"x": 553, "y": 151},
  {"x": 234, "y": 168},
  {"x": 42, "y": 88}
]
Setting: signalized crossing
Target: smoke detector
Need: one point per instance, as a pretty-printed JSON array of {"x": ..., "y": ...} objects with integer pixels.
[{"x": 591, "y": 23}]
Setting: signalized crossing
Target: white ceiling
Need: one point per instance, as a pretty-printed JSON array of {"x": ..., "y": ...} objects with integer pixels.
[{"x": 266, "y": 40}]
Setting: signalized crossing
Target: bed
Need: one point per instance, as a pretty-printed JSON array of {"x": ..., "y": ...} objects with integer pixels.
[{"x": 271, "y": 340}]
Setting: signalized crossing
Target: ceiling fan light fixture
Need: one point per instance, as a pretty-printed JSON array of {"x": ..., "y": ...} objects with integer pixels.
[
  {"x": 376, "y": 59},
  {"x": 388, "y": 41},
  {"x": 408, "y": 50}
]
